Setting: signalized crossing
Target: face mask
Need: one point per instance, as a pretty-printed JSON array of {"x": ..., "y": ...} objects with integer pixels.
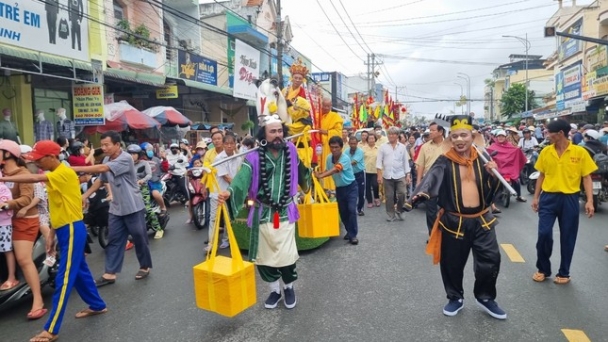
[{"x": 150, "y": 154}]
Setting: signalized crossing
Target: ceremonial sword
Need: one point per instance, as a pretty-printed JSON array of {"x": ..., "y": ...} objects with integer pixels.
[{"x": 482, "y": 154}]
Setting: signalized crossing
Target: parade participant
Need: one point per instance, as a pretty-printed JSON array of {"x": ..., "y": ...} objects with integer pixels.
[
  {"x": 331, "y": 126},
  {"x": 298, "y": 106},
  {"x": 510, "y": 160},
  {"x": 340, "y": 167},
  {"x": 562, "y": 166},
  {"x": 225, "y": 173},
  {"x": 381, "y": 139},
  {"x": 393, "y": 169},
  {"x": 370, "y": 153},
  {"x": 270, "y": 177},
  {"x": 464, "y": 189},
  {"x": 428, "y": 154},
  {"x": 25, "y": 228},
  {"x": 363, "y": 142},
  {"x": 144, "y": 174},
  {"x": 127, "y": 210},
  {"x": 66, "y": 219},
  {"x": 357, "y": 158}
]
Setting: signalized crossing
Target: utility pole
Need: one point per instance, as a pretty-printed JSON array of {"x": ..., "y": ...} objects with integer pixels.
[
  {"x": 371, "y": 73},
  {"x": 279, "y": 45}
]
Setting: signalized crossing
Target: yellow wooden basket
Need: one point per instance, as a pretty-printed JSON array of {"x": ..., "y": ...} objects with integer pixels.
[
  {"x": 224, "y": 285},
  {"x": 320, "y": 218}
]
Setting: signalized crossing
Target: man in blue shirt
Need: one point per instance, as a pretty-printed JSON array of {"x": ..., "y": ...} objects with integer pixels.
[
  {"x": 340, "y": 167},
  {"x": 356, "y": 156}
]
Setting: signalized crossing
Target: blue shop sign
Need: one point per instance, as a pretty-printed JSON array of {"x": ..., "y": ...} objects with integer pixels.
[{"x": 197, "y": 68}]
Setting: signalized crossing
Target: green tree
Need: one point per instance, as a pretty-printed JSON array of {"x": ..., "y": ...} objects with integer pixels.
[{"x": 513, "y": 101}]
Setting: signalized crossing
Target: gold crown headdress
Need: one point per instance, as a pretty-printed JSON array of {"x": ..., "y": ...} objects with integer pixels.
[
  {"x": 298, "y": 68},
  {"x": 455, "y": 122}
]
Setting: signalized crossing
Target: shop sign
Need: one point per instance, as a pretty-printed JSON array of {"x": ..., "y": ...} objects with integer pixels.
[
  {"x": 568, "y": 85},
  {"x": 197, "y": 68},
  {"x": 568, "y": 47},
  {"x": 230, "y": 58},
  {"x": 246, "y": 71},
  {"x": 577, "y": 106},
  {"x": 324, "y": 80},
  {"x": 46, "y": 26},
  {"x": 88, "y": 102},
  {"x": 169, "y": 92}
]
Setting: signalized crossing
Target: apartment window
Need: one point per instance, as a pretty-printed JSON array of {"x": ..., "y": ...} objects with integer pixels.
[
  {"x": 118, "y": 12},
  {"x": 168, "y": 40}
]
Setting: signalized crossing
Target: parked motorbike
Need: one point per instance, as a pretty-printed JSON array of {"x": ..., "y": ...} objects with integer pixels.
[
  {"x": 531, "y": 186},
  {"x": 173, "y": 193},
  {"x": 198, "y": 198},
  {"x": 46, "y": 274}
]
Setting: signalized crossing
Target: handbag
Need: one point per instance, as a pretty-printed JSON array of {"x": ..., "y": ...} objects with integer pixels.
[
  {"x": 64, "y": 30},
  {"x": 224, "y": 285}
]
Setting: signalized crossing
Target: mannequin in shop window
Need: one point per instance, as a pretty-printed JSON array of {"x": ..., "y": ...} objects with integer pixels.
[
  {"x": 8, "y": 130},
  {"x": 43, "y": 129},
  {"x": 65, "y": 126}
]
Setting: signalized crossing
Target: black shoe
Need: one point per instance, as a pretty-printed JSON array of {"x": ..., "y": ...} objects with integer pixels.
[
  {"x": 290, "y": 298},
  {"x": 354, "y": 241},
  {"x": 273, "y": 300},
  {"x": 361, "y": 213},
  {"x": 346, "y": 237}
]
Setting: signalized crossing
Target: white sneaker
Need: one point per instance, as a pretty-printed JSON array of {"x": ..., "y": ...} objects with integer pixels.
[{"x": 225, "y": 244}]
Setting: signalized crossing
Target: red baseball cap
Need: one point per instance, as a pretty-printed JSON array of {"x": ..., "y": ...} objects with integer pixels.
[{"x": 42, "y": 149}]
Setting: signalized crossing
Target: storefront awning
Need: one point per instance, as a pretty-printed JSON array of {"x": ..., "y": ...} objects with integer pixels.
[
  {"x": 202, "y": 86},
  {"x": 136, "y": 77},
  {"x": 248, "y": 34},
  {"x": 43, "y": 57}
]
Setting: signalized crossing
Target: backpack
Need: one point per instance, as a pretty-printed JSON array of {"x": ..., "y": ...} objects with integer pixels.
[
  {"x": 64, "y": 30},
  {"x": 601, "y": 160}
]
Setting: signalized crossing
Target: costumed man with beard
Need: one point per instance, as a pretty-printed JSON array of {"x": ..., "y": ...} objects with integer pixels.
[
  {"x": 464, "y": 189},
  {"x": 298, "y": 106},
  {"x": 270, "y": 176}
]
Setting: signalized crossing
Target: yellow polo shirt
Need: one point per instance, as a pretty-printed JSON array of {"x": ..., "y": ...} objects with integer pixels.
[
  {"x": 563, "y": 174},
  {"x": 428, "y": 154},
  {"x": 65, "y": 200}
]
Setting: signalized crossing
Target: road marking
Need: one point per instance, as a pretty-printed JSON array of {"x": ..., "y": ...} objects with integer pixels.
[
  {"x": 512, "y": 253},
  {"x": 576, "y": 335}
]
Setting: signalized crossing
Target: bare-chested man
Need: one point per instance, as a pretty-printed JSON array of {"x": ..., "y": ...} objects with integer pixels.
[{"x": 464, "y": 189}]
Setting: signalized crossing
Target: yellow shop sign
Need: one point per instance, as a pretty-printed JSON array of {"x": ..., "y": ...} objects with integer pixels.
[{"x": 169, "y": 92}]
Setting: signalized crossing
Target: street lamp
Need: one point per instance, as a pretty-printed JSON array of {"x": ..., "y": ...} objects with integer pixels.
[
  {"x": 461, "y": 92},
  {"x": 468, "y": 79},
  {"x": 526, "y": 43}
]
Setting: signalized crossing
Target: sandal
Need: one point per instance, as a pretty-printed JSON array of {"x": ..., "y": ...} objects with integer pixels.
[
  {"x": 88, "y": 313},
  {"x": 101, "y": 281},
  {"x": 44, "y": 336},
  {"x": 561, "y": 280},
  {"x": 36, "y": 314},
  {"x": 539, "y": 277},
  {"x": 141, "y": 274},
  {"x": 8, "y": 285},
  {"x": 496, "y": 211}
]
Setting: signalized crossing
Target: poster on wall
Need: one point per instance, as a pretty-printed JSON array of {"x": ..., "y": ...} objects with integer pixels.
[
  {"x": 568, "y": 47},
  {"x": 88, "y": 103},
  {"x": 246, "y": 70},
  {"x": 51, "y": 26},
  {"x": 197, "y": 68},
  {"x": 230, "y": 52}
]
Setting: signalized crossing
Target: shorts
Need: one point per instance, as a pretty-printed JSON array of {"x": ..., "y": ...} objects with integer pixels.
[
  {"x": 26, "y": 229},
  {"x": 6, "y": 238},
  {"x": 155, "y": 186}
]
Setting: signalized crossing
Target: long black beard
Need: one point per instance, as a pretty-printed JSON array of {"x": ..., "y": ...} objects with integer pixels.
[{"x": 277, "y": 146}]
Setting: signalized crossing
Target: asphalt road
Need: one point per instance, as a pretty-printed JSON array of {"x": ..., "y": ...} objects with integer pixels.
[{"x": 384, "y": 289}]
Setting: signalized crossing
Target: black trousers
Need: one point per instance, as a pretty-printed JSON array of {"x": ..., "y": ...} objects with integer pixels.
[
  {"x": 371, "y": 187},
  {"x": 455, "y": 252},
  {"x": 51, "y": 19},
  {"x": 431, "y": 212},
  {"x": 76, "y": 32}
]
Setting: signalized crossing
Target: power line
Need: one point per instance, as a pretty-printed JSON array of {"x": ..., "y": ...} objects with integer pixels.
[
  {"x": 354, "y": 26},
  {"x": 445, "y": 61},
  {"x": 342, "y": 38}
]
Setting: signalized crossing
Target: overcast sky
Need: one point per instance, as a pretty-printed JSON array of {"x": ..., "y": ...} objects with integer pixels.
[{"x": 447, "y": 30}]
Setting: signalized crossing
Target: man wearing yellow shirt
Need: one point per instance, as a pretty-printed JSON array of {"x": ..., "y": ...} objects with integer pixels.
[
  {"x": 428, "y": 154},
  {"x": 562, "y": 165},
  {"x": 331, "y": 126},
  {"x": 65, "y": 210}
]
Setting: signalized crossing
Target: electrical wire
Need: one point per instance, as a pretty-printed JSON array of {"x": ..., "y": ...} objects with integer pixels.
[
  {"x": 354, "y": 26},
  {"x": 342, "y": 38}
]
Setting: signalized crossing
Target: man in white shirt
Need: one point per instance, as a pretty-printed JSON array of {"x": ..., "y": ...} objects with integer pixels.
[
  {"x": 528, "y": 141},
  {"x": 393, "y": 173},
  {"x": 225, "y": 172}
]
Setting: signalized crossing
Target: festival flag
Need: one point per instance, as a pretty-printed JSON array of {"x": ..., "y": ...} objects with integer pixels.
[
  {"x": 363, "y": 114},
  {"x": 355, "y": 116}
]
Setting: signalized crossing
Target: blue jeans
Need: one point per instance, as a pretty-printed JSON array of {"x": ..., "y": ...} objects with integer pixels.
[
  {"x": 347, "y": 207},
  {"x": 360, "y": 180},
  {"x": 564, "y": 208}
]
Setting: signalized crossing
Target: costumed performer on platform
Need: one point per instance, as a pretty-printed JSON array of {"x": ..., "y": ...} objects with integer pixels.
[
  {"x": 298, "y": 106},
  {"x": 464, "y": 188},
  {"x": 269, "y": 177}
]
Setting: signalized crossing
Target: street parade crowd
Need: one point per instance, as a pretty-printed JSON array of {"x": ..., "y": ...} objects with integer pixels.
[{"x": 447, "y": 166}]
